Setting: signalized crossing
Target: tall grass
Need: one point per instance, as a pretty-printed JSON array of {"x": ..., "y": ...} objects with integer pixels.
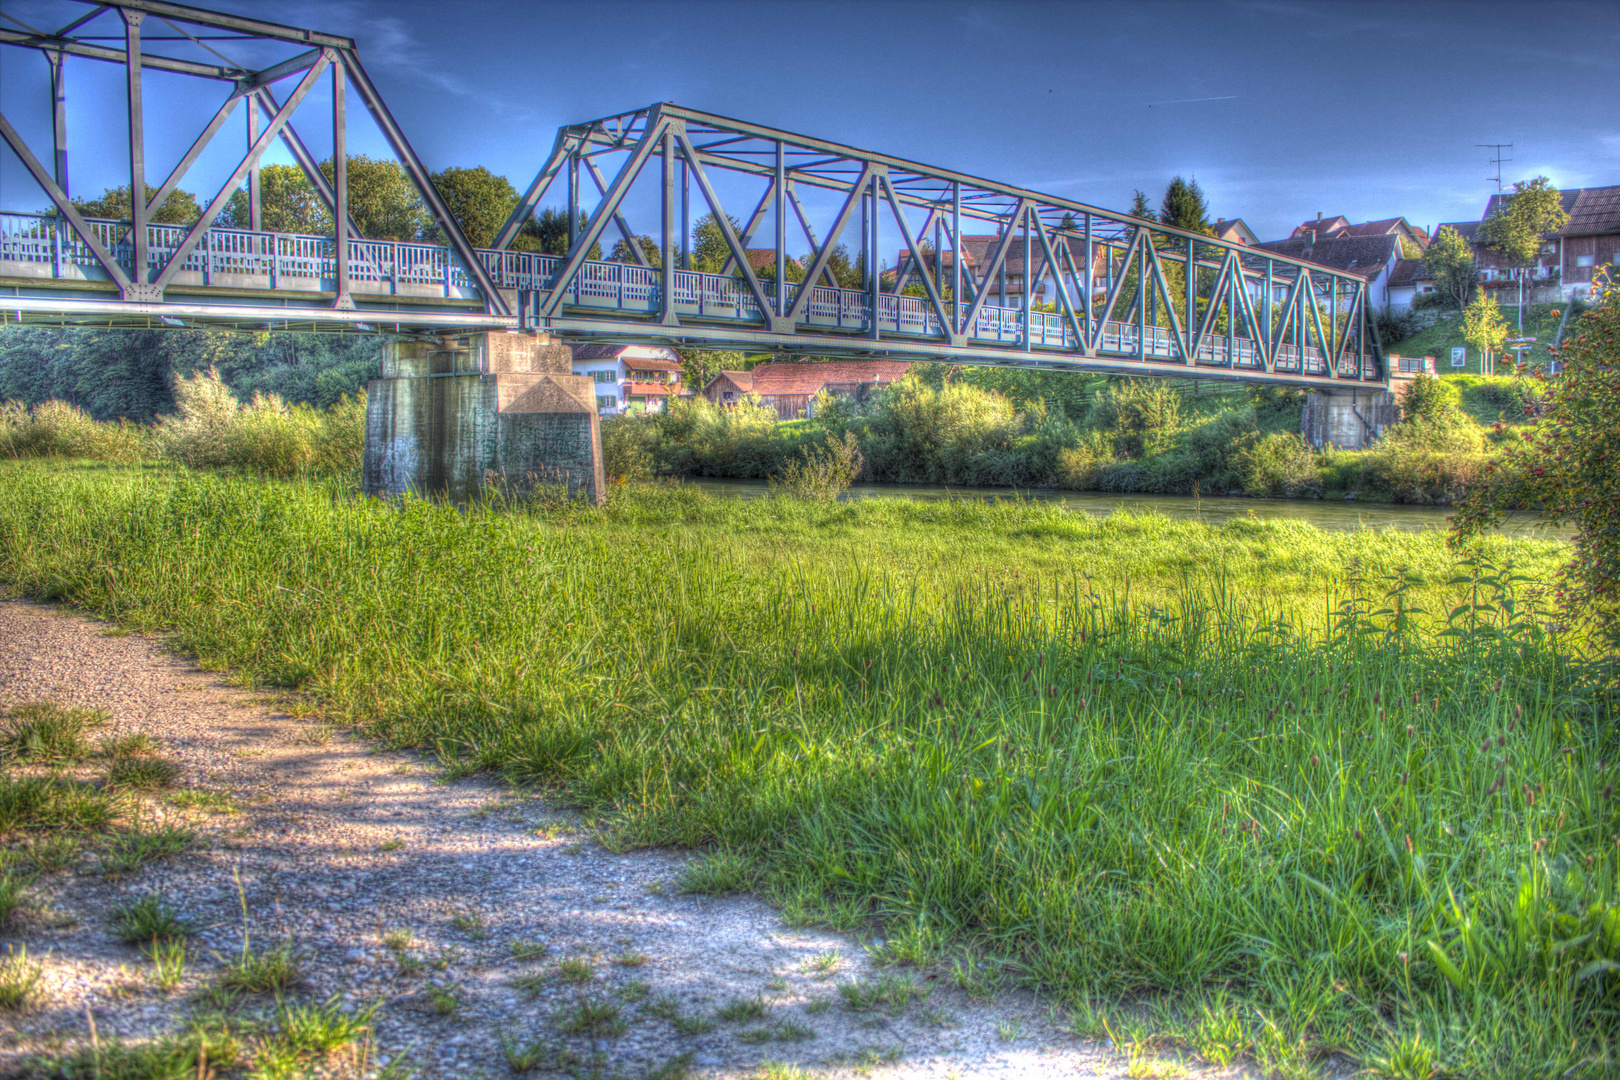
[
  {"x": 1344, "y": 791},
  {"x": 210, "y": 428}
]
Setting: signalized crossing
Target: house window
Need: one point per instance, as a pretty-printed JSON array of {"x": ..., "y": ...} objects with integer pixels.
[
  {"x": 606, "y": 402},
  {"x": 606, "y": 376},
  {"x": 1584, "y": 260}
]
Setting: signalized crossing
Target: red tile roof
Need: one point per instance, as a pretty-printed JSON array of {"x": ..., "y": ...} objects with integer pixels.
[
  {"x": 763, "y": 258},
  {"x": 648, "y": 363},
  {"x": 810, "y": 376}
]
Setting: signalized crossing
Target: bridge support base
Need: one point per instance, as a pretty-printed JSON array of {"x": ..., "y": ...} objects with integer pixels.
[
  {"x": 455, "y": 417},
  {"x": 1351, "y": 419}
]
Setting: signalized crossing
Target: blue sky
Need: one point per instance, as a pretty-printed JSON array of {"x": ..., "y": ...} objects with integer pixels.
[{"x": 1279, "y": 109}]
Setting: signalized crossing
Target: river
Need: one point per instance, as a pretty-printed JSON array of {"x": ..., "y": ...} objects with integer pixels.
[{"x": 1323, "y": 514}]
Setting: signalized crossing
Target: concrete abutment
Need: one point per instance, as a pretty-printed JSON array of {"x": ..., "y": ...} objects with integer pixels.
[
  {"x": 455, "y": 416},
  {"x": 1351, "y": 419}
]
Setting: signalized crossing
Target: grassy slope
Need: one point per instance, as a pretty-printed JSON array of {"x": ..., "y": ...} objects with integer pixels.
[
  {"x": 1437, "y": 341},
  {"x": 919, "y": 714}
]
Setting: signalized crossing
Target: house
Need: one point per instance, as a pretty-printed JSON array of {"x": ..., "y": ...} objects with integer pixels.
[
  {"x": 1408, "y": 281},
  {"x": 1372, "y": 258},
  {"x": 1414, "y": 240},
  {"x": 1574, "y": 253},
  {"x": 1235, "y": 232},
  {"x": 630, "y": 378},
  {"x": 791, "y": 387}
]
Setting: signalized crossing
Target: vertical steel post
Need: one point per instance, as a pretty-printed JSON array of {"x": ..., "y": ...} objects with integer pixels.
[
  {"x": 573, "y": 197},
  {"x": 872, "y": 262},
  {"x": 340, "y": 188},
  {"x": 781, "y": 229},
  {"x": 255, "y": 192},
  {"x": 1088, "y": 278},
  {"x": 1265, "y": 301},
  {"x": 667, "y": 234},
  {"x": 956, "y": 257},
  {"x": 1142, "y": 299},
  {"x": 939, "y": 253},
  {"x": 59, "y": 142},
  {"x": 1029, "y": 282},
  {"x": 686, "y": 213},
  {"x": 138, "y": 270},
  {"x": 1192, "y": 301}
]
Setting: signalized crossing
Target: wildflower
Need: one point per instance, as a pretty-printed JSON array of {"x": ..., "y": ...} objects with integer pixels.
[
  {"x": 1314, "y": 761},
  {"x": 1410, "y": 731}
]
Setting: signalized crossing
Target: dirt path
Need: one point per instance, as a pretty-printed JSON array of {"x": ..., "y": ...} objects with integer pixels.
[{"x": 344, "y": 849}]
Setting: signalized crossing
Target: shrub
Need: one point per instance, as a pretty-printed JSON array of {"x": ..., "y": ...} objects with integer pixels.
[
  {"x": 823, "y": 475},
  {"x": 629, "y": 447},
  {"x": 1432, "y": 401},
  {"x": 267, "y": 436},
  {"x": 1140, "y": 414},
  {"x": 1281, "y": 465},
  {"x": 1569, "y": 467},
  {"x": 57, "y": 429}
]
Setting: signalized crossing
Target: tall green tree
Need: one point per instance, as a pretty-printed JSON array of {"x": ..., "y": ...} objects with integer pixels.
[
  {"x": 547, "y": 232},
  {"x": 478, "y": 199},
  {"x": 1184, "y": 207},
  {"x": 1140, "y": 208},
  {"x": 710, "y": 251},
  {"x": 1450, "y": 262},
  {"x": 1520, "y": 231},
  {"x": 622, "y": 251}
]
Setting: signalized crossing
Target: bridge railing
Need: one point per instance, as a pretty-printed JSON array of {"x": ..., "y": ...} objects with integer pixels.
[{"x": 248, "y": 258}]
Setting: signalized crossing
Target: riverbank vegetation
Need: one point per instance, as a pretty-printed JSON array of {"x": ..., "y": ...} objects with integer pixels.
[
  {"x": 996, "y": 429},
  {"x": 1260, "y": 791}
]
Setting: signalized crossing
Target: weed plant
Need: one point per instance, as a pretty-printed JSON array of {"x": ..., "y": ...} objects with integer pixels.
[
  {"x": 1362, "y": 787},
  {"x": 43, "y": 731}
]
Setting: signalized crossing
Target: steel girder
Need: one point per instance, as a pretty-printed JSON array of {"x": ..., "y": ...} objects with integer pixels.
[
  {"x": 143, "y": 282},
  {"x": 1109, "y": 269}
]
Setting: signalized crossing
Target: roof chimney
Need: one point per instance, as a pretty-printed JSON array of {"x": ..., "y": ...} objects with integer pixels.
[{"x": 1319, "y": 215}]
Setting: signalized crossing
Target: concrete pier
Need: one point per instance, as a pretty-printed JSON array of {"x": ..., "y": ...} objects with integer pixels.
[
  {"x": 1351, "y": 419},
  {"x": 456, "y": 416}
]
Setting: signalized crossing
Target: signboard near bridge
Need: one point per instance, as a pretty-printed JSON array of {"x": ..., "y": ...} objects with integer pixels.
[{"x": 1459, "y": 356}]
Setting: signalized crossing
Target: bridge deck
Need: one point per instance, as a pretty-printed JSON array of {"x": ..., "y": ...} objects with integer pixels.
[{"x": 243, "y": 277}]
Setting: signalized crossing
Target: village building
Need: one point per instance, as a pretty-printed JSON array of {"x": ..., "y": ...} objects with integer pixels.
[
  {"x": 1574, "y": 255},
  {"x": 1235, "y": 231},
  {"x": 630, "y": 378},
  {"x": 791, "y": 387},
  {"x": 1372, "y": 258}
]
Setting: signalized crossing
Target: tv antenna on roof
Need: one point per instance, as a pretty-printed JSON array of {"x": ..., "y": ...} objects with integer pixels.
[{"x": 1496, "y": 159}]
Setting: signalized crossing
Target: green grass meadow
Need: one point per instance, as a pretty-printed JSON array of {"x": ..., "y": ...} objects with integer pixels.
[{"x": 1259, "y": 791}]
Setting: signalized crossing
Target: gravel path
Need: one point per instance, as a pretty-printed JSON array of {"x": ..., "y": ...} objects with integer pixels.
[{"x": 349, "y": 851}]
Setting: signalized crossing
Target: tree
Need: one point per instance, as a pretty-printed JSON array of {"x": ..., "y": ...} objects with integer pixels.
[
  {"x": 698, "y": 366},
  {"x": 479, "y": 200},
  {"x": 1483, "y": 326},
  {"x": 382, "y": 201},
  {"x": 843, "y": 268},
  {"x": 1567, "y": 467},
  {"x": 649, "y": 247},
  {"x": 1519, "y": 231},
  {"x": 180, "y": 208},
  {"x": 1450, "y": 262},
  {"x": 1140, "y": 207},
  {"x": 547, "y": 232},
  {"x": 709, "y": 248},
  {"x": 1184, "y": 207}
]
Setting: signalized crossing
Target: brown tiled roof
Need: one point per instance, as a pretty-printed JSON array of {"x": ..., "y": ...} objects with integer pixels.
[
  {"x": 1374, "y": 228},
  {"x": 1468, "y": 230},
  {"x": 646, "y": 363},
  {"x": 647, "y": 389},
  {"x": 1592, "y": 211},
  {"x": 1407, "y": 272},
  {"x": 742, "y": 380},
  {"x": 809, "y": 377},
  {"x": 761, "y": 258},
  {"x": 1363, "y": 255},
  {"x": 1324, "y": 226}
]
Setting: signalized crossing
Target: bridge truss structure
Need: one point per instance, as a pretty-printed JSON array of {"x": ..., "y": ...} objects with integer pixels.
[{"x": 1128, "y": 296}]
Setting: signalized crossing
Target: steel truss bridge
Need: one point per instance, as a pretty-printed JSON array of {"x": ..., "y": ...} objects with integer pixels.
[{"x": 1129, "y": 296}]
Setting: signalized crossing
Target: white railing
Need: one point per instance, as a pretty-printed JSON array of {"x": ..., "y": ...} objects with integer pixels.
[{"x": 251, "y": 259}]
